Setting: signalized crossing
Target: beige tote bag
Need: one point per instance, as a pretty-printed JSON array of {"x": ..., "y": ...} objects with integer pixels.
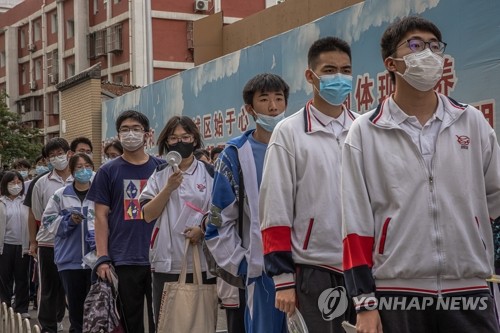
[{"x": 188, "y": 308}]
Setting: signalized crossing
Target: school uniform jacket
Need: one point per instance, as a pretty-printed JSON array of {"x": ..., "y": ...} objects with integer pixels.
[
  {"x": 300, "y": 211},
  {"x": 411, "y": 229}
]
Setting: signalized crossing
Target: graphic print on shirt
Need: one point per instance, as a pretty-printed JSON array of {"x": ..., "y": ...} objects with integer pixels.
[{"x": 132, "y": 188}]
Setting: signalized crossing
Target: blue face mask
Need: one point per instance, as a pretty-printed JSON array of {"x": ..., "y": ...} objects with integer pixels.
[
  {"x": 334, "y": 88},
  {"x": 83, "y": 175},
  {"x": 268, "y": 123},
  {"x": 24, "y": 174},
  {"x": 41, "y": 169},
  {"x": 50, "y": 166}
]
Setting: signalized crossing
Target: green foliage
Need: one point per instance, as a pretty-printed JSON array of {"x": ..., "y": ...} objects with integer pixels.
[{"x": 16, "y": 140}]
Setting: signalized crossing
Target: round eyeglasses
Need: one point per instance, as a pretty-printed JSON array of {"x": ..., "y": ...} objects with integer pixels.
[{"x": 418, "y": 45}]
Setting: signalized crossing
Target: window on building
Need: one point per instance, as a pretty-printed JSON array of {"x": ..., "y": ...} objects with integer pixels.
[
  {"x": 70, "y": 70},
  {"x": 70, "y": 29},
  {"x": 53, "y": 66},
  {"x": 53, "y": 23},
  {"x": 97, "y": 43},
  {"x": 96, "y": 7},
  {"x": 38, "y": 104},
  {"x": 114, "y": 36},
  {"x": 2, "y": 59},
  {"x": 117, "y": 1},
  {"x": 118, "y": 79},
  {"x": 55, "y": 103},
  {"x": 38, "y": 69},
  {"x": 23, "y": 74},
  {"x": 23, "y": 38},
  {"x": 37, "y": 31}
]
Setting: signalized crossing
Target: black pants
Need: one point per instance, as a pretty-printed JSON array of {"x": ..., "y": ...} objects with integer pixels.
[
  {"x": 52, "y": 302},
  {"x": 14, "y": 267},
  {"x": 76, "y": 284},
  {"x": 431, "y": 319},
  {"x": 159, "y": 280},
  {"x": 310, "y": 283},
  {"x": 134, "y": 283},
  {"x": 236, "y": 317}
]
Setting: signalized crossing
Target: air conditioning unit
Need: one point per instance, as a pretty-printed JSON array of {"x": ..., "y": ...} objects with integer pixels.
[
  {"x": 52, "y": 78},
  {"x": 201, "y": 5},
  {"x": 32, "y": 85},
  {"x": 23, "y": 109},
  {"x": 32, "y": 47}
]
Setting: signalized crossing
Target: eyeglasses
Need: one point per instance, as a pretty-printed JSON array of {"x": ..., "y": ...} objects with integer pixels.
[
  {"x": 418, "y": 45},
  {"x": 125, "y": 130},
  {"x": 174, "y": 139}
]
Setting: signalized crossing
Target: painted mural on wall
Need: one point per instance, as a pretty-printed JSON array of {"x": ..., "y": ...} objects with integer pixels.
[{"x": 211, "y": 93}]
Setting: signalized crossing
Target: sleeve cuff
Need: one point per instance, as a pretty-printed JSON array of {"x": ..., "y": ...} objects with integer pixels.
[
  {"x": 365, "y": 302},
  {"x": 284, "y": 281}
]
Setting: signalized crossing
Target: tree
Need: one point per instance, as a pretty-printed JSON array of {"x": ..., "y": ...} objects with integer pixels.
[{"x": 16, "y": 139}]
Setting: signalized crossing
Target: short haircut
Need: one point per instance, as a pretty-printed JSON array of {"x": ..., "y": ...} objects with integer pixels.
[
  {"x": 265, "y": 82},
  {"x": 115, "y": 144},
  {"x": 8, "y": 177},
  {"x": 79, "y": 140},
  {"x": 215, "y": 150},
  {"x": 55, "y": 144},
  {"x": 23, "y": 163},
  {"x": 395, "y": 32},
  {"x": 132, "y": 114},
  {"x": 201, "y": 152},
  {"x": 39, "y": 158},
  {"x": 326, "y": 44},
  {"x": 73, "y": 161},
  {"x": 186, "y": 123}
]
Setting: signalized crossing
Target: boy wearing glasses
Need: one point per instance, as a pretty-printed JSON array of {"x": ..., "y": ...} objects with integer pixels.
[
  {"x": 420, "y": 182},
  {"x": 122, "y": 236}
]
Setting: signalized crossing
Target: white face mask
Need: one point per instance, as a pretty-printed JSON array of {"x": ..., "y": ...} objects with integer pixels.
[
  {"x": 59, "y": 162},
  {"x": 423, "y": 69},
  {"x": 268, "y": 123},
  {"x": 132, "y": 141},
  {"x": 14, "y": 189}
]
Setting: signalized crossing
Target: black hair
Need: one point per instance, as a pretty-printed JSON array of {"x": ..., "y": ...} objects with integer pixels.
[
  {"x": 7, "y": 178},
  {"x": 23, "y": 163},
  {"x": 73, "y": 161},
  {"x": 265, "y": 82},
  {"x": 326, "y": 44},
  {"x": 215, "y": 150},
  {"x": 201, "y": 152},
  {"x": 55, "y": 144},
  {"x": 39, "y": 158},
  {"x": 395, "y": 32},
  {"x": 115, "y": 144},
  {"x": 186, "y": 123},
  {"x": 132, "y": 114},
  {"x": 79, "y": 140}
]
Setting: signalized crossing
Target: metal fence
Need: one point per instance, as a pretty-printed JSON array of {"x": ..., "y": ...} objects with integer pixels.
[{"x": 11, "y": 322}]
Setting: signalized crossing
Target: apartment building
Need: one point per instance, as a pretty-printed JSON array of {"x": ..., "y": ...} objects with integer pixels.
[{"x": 136, "y": 42}]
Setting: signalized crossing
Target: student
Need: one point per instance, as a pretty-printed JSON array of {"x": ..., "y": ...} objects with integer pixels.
[
  {"x": 112, "y": 150},
  {"x": 214, "y": 153},
  {"x": 121, "y": 234},
  {"x": 420, "y": 182},
  {"x": 176, "y": 200},
  {"x": 265, "y": 97},
  {"x": 300, "y": 210}
]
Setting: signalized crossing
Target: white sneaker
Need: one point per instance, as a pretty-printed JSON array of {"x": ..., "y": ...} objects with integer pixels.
[{"x": 60, "y": 327}]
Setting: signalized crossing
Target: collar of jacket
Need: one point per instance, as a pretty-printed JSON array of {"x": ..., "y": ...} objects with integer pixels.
[{"x": 313, "y": 124}]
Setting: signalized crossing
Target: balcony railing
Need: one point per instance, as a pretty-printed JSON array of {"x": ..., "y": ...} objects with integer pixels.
[{"x": 32, "y": 116}]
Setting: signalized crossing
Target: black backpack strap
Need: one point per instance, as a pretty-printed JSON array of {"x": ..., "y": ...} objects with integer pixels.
[
  {"x": 241, "y": 202},
  {"x": 210, "y": 168}
]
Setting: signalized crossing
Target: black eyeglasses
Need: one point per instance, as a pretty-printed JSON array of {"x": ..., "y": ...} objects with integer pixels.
[{"x": 418, "y": 45}]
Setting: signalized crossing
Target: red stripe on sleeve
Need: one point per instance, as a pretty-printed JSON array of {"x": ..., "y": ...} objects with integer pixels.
[
  {"x": 358, "y": 251},
  {"x": 276, "y": 239}
]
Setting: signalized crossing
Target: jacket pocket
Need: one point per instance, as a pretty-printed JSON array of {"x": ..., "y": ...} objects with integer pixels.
[
  {"x": 308, "y": 234},
  {"x": 381, "y": 245},
  {"x": 479, "y": 231}
]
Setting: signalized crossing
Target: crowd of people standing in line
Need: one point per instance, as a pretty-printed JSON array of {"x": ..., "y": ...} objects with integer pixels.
[{"x": 321, "y": 199}]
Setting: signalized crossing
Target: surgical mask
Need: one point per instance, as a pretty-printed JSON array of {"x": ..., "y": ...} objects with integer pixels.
[
  {"x": 83, "y": 175},
  {"x": 423, "y": 69},
  {"x": 185, "y": 149},
  {"x": 50, "y": 166},
  {"x": 14, "y": 189},
  {"x": 41, "y": 169},
  {"x": 132, "y": 141},
  {"x": 24, "y": 174},
  {"x": 268, "y": 123},
  {"x": 59, "y": 162},
  {"x": 334, "y": 88}
]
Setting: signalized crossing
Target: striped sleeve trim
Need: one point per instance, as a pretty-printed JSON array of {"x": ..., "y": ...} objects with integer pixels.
[{"x": 284, "y": 281}]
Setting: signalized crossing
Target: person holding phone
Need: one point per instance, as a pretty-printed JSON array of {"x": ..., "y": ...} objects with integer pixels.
[{"x": 69, "y": 216}]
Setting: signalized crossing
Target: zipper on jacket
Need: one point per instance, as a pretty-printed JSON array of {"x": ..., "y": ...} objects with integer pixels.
[
  {"x": 381, "y": 245},
  {"x": 308, "y": 234}
]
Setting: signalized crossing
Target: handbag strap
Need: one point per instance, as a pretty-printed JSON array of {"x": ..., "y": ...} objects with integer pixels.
[{"x": 197, "y": 276}]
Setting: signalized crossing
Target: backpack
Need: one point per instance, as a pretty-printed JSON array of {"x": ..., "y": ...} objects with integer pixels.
[
  {"x": 100, "y": 314},
  {"x": 213, "y": 268}
]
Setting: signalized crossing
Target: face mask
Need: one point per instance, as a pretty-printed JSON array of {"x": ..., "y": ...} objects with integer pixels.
[
  {"x": 41, "y": 169},
  {"x": 83, "y": 175},
  {"x": 334, "y": 88},
  {"x": 59, "y": 162},
  {"x": 185, "y": 149},
  {"x": 50, "y": 166},
  {"x": 268, "y": 123},
  {"x": 423, "y": 69},
  {"x": 132, "y": 141},
  {"x": 24, "y": 174},
  {"x": 14, "y": 189}
]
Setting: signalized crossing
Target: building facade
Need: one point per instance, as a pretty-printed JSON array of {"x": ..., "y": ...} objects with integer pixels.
[{"x": 136, "y": 42}]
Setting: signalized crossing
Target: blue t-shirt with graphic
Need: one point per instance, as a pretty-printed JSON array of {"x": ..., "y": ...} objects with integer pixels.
[
  {"x": 118, "y": 185},
  {"x": 259, "y": 152}
]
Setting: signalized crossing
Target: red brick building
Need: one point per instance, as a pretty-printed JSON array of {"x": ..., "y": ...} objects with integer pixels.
[{"x": 137, "y": 42}]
